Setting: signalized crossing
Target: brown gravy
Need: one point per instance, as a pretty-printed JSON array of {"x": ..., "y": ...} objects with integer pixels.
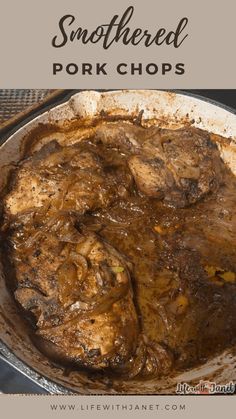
[{"x": 184, "y": 262}]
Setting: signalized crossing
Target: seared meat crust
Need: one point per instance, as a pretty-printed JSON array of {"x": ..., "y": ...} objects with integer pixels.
[
  {"x": 79, "y": 290},
  {"x": 63, "y": 178},
  {"x": 180, "y": 166}
]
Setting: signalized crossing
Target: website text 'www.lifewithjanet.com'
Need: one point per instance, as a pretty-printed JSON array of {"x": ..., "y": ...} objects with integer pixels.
[{"x": 117, "y": 407}]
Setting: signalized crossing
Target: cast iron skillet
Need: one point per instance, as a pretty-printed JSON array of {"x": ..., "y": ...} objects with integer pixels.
[{"x": 171, "y": 109}]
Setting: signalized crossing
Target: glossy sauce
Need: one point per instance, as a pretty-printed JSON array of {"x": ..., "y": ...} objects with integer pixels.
[{"x": 184, "y": 266}]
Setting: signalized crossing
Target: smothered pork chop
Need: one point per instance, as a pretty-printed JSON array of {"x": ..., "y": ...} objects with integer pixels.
[{"x": 121, "y": 247}]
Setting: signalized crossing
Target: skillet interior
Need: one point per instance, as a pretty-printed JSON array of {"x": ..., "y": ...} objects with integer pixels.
[{"x": 165, "y": 107}]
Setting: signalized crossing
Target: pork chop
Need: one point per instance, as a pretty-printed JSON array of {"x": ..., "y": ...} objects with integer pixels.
[
  {"x": 78, "y": 290},
  {"x": 181, "y": 166},
  {"x": 62, "y": 179}
]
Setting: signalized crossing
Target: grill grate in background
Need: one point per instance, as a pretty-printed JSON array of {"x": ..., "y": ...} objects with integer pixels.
[{"x": 14, "y": 101}]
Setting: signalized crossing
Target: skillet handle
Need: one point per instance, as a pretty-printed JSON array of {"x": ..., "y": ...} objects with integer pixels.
[{"x": 12, "y": 381}]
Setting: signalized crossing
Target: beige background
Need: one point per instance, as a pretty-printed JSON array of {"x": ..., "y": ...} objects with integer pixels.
[
  {"x": 196, "y": 407},
  {"x": 27, "y": 28}
]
